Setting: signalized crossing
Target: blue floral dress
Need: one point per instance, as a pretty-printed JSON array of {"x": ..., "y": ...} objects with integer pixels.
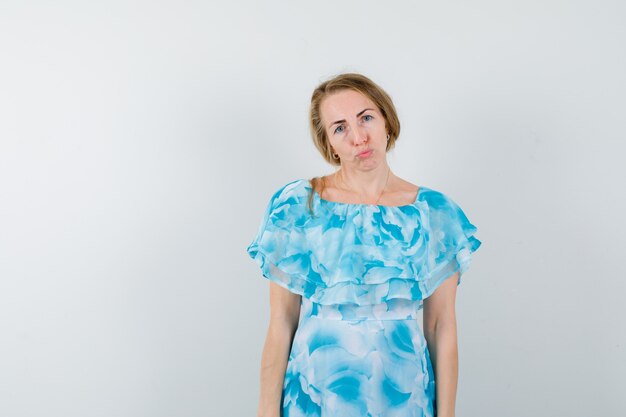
[{"x": 362, "y": 271}]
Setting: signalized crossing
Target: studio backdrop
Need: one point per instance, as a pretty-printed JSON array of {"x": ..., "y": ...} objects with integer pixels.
[{"x": 141, "y": 141}]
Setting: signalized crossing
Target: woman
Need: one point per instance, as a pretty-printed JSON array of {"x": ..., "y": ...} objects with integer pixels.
[{"x": 351, "y": 258}]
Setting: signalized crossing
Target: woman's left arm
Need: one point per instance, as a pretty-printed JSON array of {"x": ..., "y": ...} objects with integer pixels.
[{"x": 441, "y": 337}]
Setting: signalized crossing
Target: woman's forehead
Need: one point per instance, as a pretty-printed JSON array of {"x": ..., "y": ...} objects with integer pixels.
[{"x": 345, "y": 103}]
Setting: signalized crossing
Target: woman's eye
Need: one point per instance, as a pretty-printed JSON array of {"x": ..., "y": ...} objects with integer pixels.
[
  {"x": 337, "y": 130},
  {"x": 368, "y": 115}
]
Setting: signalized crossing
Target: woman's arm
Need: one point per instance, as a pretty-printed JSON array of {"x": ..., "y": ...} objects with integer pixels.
[
  {"x": 440, "y": 334},
  {"x": 284, "y": 314}
]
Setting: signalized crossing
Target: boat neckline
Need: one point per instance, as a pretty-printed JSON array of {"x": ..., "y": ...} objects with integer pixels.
[{"x": 339, "y": 203}]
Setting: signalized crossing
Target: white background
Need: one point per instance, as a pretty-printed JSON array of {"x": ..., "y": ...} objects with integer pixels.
[{"x": 141, "y": 141}]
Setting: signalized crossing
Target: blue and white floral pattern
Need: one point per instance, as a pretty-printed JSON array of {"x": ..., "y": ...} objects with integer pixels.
[{"x": 362, "y": 271}]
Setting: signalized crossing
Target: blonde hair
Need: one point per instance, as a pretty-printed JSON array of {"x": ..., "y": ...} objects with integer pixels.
[{"x": 360, "y": 84}]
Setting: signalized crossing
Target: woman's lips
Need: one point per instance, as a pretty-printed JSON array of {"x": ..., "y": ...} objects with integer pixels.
[{"x": 365, "y": 154}]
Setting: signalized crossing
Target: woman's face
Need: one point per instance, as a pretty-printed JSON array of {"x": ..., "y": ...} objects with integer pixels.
[{"x": 353, "y": 125}]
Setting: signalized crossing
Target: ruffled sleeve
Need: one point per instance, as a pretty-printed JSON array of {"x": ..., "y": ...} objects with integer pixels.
[
  {"x": 280, "y": 248},
  {"x": 451, "y": 242}
]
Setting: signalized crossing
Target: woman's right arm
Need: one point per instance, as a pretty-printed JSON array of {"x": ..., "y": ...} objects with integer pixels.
[{"x": 284, "y": 315}]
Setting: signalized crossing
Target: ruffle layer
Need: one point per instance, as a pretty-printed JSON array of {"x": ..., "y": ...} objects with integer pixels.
[{"x": 362, "y": 254}]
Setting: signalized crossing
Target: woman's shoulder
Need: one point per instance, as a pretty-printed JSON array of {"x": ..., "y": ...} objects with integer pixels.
[
  {"x": 291, "y": 189},
  {"x": 437, "y": 199},
  {"x": 287, "y": 200},
  {"x": 432, "y": 196}
]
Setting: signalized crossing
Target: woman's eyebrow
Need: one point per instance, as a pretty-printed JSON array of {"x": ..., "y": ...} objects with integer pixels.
[{"x": 343, "y": 120}]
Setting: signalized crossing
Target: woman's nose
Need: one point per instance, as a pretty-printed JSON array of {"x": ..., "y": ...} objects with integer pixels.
[{"x": 359, "y": 134}]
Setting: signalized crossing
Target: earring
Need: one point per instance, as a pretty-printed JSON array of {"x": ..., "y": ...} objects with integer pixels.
[
  {"x": 387, "y": 137},
  {"x": 335, "y": 156}
]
